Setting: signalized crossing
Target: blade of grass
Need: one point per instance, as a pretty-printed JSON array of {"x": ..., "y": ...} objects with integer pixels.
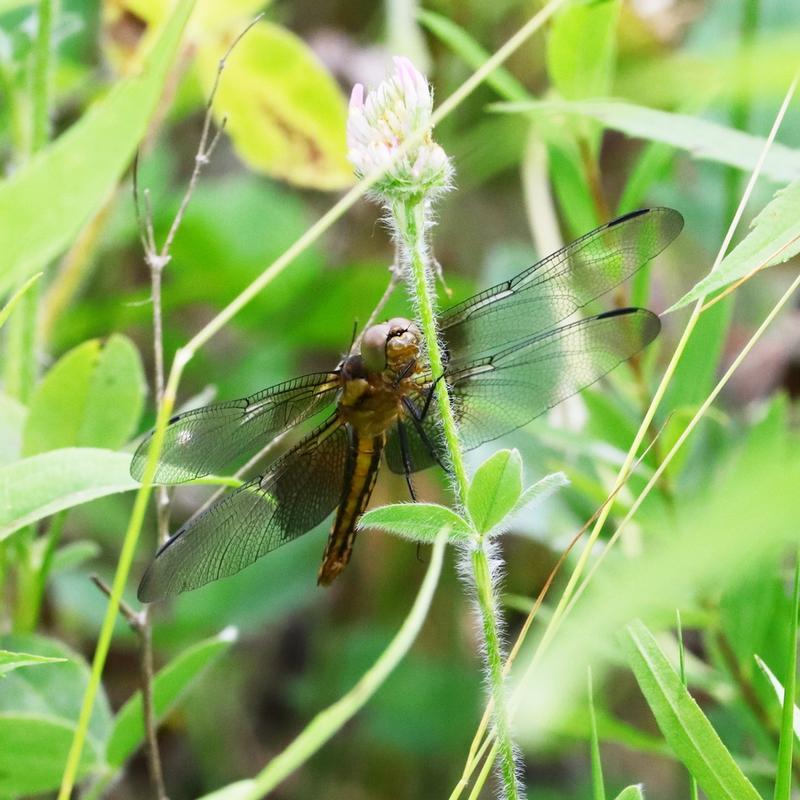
[
  {"x": 692, "y": 780},
  {"x": 598, "y": 789}
]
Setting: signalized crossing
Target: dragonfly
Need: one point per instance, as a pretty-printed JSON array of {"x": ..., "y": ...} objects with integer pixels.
[{"x": 510, "y": 353}]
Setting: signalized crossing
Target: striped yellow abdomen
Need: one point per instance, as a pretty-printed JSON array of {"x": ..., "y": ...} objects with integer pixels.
[{"x": 360, "y": 476}]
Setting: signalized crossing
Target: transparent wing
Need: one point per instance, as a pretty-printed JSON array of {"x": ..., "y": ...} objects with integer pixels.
[
  {"x": 206, "y": 440},
  {"x": 301, "y": 490},
  {"x": 497, "y": 394},
  {"x": 503, "y": 392},
  {"x": 547, "y": 293}
]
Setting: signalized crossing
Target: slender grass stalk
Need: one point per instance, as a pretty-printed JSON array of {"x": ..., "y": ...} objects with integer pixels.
[
  {"x": 214, "y": 326},
  {"x": 40, "y": 85},
  {"x": 322, "y": 728},
  {"x": 783, "y": 783}
]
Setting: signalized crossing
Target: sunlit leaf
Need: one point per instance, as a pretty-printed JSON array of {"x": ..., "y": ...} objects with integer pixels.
[
  {"x": 686, "y": 729},
  {"x": 169, "y": 685},
  {"x": 495, "y": 489},
  {"x": 539, "y": 492},
  {"x": 285, "y": 113},
  {"x": 10, "y": 661},
  {"x": 777, "y": 686},
  {"x": 420, "y": 522},
  {"x": 630, "y": 793},
  {"x": 701, "y": 138},
  {"x": 36, "y": 487},
  {"x": 45, "y": 202},
  {"x": 773, "y": 239}
]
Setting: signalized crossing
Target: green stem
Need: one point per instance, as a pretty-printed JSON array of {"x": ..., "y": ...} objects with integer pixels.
[
  {"x": 410, "y": 218},
  {"x": 411, "y": 221},
  {"x": 40, "y": 84},
  {"x": 487, "y": 603}
]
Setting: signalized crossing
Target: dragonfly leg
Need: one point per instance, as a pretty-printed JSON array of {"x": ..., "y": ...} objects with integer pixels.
[
  {"x": 416, "y": 419},
  {"x": 401, "y": 430}
]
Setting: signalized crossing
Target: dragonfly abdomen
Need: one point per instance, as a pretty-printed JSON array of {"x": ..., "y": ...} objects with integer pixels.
[{"x": 360, "y": 476}]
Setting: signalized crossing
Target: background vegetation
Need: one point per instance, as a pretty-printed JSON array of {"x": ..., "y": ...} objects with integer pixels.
[{"x": 246, "y": 663}]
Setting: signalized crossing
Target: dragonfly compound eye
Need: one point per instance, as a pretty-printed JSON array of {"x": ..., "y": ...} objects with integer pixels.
[{"x": 373, "y": 347}]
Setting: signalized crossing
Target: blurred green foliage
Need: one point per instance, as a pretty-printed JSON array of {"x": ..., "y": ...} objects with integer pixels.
[{"x": 620, "y": 101}]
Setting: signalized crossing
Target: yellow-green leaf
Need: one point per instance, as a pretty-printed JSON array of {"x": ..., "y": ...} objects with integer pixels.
[{"x": 285, "y": 113}]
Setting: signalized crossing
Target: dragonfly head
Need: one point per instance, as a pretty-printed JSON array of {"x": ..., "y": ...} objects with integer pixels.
[{"x": 391, "y": 345}]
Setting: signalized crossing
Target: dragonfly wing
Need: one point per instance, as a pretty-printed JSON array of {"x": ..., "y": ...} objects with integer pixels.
[
  {"x": 503, "y": 392},
  {"x": 298, "y": 493},
  {"x": 546, "y": 294},
  {"x": 207, "y": 440}
]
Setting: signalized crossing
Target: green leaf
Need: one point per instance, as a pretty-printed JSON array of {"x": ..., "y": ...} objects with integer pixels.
[
  {"x": 92, "y": 397},
  {"x": 631, "y": 793},
  {"x": 701, "y": 138},
  {"x": 116, "y": 396},
  {"x": 73, "y": 555},
  {"x": 777, "y": 686},
  {"x": 541, "y": 490},
  {"x": 686, "y": 729},
  {"x": 10, "y": 661},
  {"x": 5, "y": 311},
  {"x": 420, "y": 522},
  {"x": 33, "y": 753},
  {"x": 37, "y": 487},
  {"x": 774, "y": 238},
  {"x": 12, "y": 423},
  {"x": 38, "y": 712},
  {"x": 45, "y": 202},
  {"x": 285, "y": 113},
  {"x": 598, "y": 786},
  {"x": 169, "y": 686},
  {"x": 581, "y": 49},
  {"x": 495, "y": 489},
  {"x": 783, "y": 778}
]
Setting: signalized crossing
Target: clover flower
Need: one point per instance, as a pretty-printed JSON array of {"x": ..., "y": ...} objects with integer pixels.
[{"x": 379, "y": 124}]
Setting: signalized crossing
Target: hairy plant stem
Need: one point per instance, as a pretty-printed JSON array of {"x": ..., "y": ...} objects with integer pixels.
[{"x": 411, "y": 221}]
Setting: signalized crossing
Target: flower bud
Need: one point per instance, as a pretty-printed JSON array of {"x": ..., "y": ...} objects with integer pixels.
[{"x": 380, "y": 123}]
